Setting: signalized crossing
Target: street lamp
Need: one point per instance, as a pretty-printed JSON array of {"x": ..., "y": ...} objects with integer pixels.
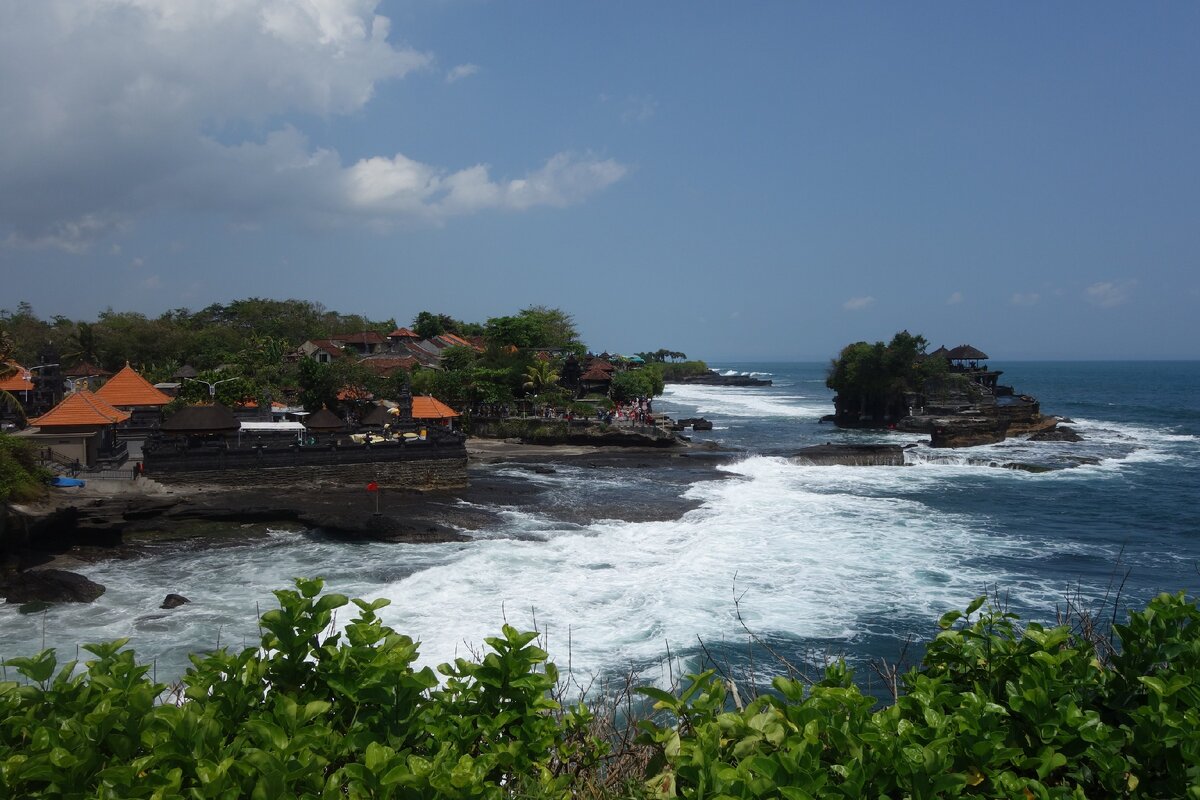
[
  {"x": 29, "y": 370},
  {"x": 212, "y": 386}
]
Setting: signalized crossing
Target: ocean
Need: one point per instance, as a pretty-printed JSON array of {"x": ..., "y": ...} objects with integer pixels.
[{"x": 815, "y": 561}]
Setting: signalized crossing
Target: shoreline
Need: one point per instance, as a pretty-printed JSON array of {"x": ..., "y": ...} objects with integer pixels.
[{"x": 108, "y": 520}]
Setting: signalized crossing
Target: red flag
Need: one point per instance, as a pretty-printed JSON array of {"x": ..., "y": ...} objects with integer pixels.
[{"x": 372, "y": 487}]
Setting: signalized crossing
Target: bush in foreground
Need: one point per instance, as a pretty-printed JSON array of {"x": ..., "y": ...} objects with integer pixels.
[{"x": 995, "y": 710}]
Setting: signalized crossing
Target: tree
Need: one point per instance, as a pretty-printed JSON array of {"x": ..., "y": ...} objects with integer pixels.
[
  {"x": 540, "y": 377},
  {"x": 426, "y": 324},
  {"x": 872, "y": 380},
  {"x": 7, "y": 370},
  {"x": 82, "y": 345}
]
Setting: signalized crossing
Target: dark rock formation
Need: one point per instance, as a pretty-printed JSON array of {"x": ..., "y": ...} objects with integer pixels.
[
  {"x": 967, "y": 431},
  {"x": 50, "y": 586},
  {"x": 715, "y": 379},
  {"x": 174, "y": 601},
  {"x": 1058, "y": 434},
  {"x": 851, "y": 455},
  {"x": 702, "y": 425}
]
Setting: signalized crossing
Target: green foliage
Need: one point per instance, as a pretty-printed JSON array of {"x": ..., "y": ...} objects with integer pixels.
[
  {"x": 661, "y": 355},
  {"x": 995, "y": 710},
  {"x": 683, "y": 369},
  {"x": 872, "y": 379},
  {"x": 21, "y": 478},
  {"x": 536, "y": 326},
  {"x": 313, "y": 714},
  {"x": 631, "y": 384}
]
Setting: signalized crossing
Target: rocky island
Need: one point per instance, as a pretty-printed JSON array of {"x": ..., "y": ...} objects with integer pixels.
[{"x": 950, "y": 394}]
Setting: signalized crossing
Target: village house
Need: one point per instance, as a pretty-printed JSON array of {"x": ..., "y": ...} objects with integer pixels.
[{"x": 81, "y": 430}]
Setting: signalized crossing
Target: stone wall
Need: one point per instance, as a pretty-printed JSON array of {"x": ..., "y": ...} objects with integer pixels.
[{"x": 430, "y": 473}]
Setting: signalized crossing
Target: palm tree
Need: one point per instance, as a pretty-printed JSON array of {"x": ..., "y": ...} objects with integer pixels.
[
  {"x": 540, "y": 377},
  {"x": 82, "y": 345}
]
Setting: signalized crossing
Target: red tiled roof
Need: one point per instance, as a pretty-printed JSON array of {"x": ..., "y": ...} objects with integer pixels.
[
  {"x": 454, "y": 340},
  {"x": 17, "y": 382},
  {"x": 328, "y": 345},
  {"x": 386, "y": 365},
  {"x": 354, "y": 393},
  {"x": 363, "y": 337},
  {"x": 425, "y": 407},
  {"x": 80, "y": 408},
  {"x": 403, "y": 333},
  {"x": 127, "y": 388}
]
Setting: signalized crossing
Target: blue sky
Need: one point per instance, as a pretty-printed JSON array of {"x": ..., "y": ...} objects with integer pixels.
[{"x": 735, "y": 181}]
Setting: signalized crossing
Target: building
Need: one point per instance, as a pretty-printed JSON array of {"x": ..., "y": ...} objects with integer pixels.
[{"x": 82, "y": 429}]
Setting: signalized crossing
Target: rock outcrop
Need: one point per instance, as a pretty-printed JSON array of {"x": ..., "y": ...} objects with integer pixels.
[
  {"x": 50, "y": 586},
  {"x": 851, "y": 455},
  {"x": 716, "y": 379}
]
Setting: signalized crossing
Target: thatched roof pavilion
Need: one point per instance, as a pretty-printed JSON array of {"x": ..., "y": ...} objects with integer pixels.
[
  {"x": 965, "y": 352},
  {"x": 196, "y": 420},
  {"x": 185, "y": 372},
  {"x": 376, "y": 417},
  {"x": 324, "y": 420}
]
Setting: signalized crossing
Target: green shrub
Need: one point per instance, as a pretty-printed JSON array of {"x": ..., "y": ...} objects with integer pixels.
[
  {"x": 21, "y": 478},
  {"x": 994, "y": 711},
  {"x": 311, "y": 714}
]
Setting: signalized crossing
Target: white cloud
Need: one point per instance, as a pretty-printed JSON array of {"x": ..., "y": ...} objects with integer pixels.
[
  {"x": 126, "y": 108},
  {"x": 137, "y": 263},
  {"x": 151, "y": 282},
  {"x": 1025, "y": 299},
  {"x": 858, "y": 303},
  {"x": 460, "y": 72},
  {"x": 1107, "y": 294},
  {"x": 954, "y": 299}
]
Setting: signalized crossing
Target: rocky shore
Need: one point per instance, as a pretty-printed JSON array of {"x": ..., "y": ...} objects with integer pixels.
[
  {"x": 127, "y": 519},
  {"x": 717, "y": 379}
]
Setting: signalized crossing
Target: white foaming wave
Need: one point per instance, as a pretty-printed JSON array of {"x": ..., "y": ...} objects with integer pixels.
[
  {"x": 810, "y": 564},
  {"x": 744, "y": 402}
]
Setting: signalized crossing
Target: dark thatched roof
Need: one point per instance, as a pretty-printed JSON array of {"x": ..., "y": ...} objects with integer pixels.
[
  {"x": 86, "y": 369},
  {"x": 965, "y": 352},
  {"x": 186, "y": 371},
  {"x": 214, "y": 418},
  {"x": 376, "y": 417},
  {"x": 941, "y": 352},
  {"x": 324, "y": 420}
]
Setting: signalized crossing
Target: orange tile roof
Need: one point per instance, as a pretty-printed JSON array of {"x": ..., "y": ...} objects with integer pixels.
[
  {"x": 127, "y": 388},
  {"x": 403, "y": 333},
  {"x": 17, "y": 382},
  {"x": 80, "y": 408},
  {"x": 425, "y": 407}
]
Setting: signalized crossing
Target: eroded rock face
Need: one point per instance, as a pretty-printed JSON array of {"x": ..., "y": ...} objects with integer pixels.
[
  {"x": 51, "y": 586},
  {"x": 967, "y": 431}
]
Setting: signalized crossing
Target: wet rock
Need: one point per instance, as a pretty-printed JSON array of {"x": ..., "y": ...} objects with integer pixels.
[
  {"x": 851, "y": 455},
  {"x": 51, "y": 586},
  {"x": 702, "y": 425},
  {"x": 1058, "y": 434},
  {"x": 174, "y": 601},
  {"x": 967, "y": 431}
]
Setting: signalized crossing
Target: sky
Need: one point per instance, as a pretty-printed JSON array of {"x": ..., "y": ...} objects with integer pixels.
[{"x": 737, "y": 181}]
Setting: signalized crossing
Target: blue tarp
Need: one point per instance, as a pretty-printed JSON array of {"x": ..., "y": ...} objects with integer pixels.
[{"x": 64, "y": 481}]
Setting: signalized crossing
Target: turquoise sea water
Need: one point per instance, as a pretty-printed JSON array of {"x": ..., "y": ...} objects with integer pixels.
[{"x": 849, "y": 560}]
